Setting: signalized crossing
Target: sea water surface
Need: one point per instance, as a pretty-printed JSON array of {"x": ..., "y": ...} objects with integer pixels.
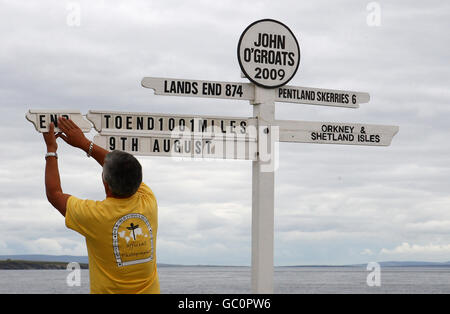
[{"x": 236, "y": 280}]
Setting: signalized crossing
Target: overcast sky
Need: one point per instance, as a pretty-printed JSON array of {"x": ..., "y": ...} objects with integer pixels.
[{"x": 333, "y": 204}]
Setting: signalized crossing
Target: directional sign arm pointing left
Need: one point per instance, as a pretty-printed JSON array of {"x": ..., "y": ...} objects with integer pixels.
[
  {"x": 41, "y": 119},
  {"x": 197, "y": 88}
]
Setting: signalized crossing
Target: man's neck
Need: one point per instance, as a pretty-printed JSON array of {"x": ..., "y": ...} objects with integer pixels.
[{"x": 115, "y": 196}]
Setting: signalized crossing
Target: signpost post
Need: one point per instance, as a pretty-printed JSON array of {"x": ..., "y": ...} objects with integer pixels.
[
  {"x": 269, "y": 56},
  {"x": 263, "y": 194}
]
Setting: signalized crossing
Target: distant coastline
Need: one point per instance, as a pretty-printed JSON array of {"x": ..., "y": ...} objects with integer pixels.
[
  {"x": 38, "y": 261},
  {"x": 21, "y": 264}
]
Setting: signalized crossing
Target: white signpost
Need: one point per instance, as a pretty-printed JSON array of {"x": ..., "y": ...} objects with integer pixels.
[{"x": 269, "y": 56}]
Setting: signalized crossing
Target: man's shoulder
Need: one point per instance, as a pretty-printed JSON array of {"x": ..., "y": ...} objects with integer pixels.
[
  {"x": 86, "y": 201},
  {"x": 145, "y": 189},
  {"x": 76, "y": 203}
]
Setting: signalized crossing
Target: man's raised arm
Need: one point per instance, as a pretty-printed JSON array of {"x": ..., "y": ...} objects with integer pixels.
[
  {"x": 73, "y": 135},
  {"x": 55, "y": 195}
]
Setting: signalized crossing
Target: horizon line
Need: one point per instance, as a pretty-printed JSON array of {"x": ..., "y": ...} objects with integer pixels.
[{"x": 164, "y": 264}]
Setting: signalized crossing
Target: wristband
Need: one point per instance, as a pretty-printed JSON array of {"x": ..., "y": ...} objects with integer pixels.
[
  {"x": 91, "y": 146},
  {"x": 51, "y": 154}
]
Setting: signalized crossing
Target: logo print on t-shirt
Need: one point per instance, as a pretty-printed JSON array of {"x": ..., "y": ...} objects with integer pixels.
[
  {"x": 132, "y": 227},
  {"x": 132, "y": 240}
]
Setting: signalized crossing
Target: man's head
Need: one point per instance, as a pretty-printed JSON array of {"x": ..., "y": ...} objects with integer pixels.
[{"x": 122, "y": 172}]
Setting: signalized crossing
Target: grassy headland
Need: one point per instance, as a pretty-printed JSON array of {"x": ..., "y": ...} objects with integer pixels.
[{"x": 20, "y": 264}]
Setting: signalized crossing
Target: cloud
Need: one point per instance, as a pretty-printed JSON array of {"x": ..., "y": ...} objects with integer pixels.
[
  {"x": 367, "y": 252},
  {"x": 56, "y": 246},
  {"x": 333, "y": 204},
  {"x": 425, "y": 252},
  {"x": 430, "y": 227}
]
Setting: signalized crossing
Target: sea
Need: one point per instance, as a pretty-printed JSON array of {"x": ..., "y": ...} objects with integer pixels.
[{"x": 237, "y": 280}]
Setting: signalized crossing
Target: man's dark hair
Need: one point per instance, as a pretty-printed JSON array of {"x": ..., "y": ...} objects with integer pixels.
[{"x": 122, "y": 172}]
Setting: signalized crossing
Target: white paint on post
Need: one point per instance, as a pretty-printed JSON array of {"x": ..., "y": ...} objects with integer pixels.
[{"x": 263, "y": 181}]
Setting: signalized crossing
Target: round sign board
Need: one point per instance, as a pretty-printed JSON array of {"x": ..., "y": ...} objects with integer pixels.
[{"x": 268, "y": 53}]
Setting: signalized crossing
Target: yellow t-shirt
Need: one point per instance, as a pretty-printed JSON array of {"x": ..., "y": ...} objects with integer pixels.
[{"x": 121, "y": 241}]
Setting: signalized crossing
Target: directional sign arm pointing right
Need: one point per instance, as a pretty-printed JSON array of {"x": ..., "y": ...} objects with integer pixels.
[{"x": 336, "y": 133}]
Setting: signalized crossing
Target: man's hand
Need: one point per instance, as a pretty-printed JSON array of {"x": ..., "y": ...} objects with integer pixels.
[
  {"x": 75, "y": 137},
  {"x": 72, "y": 134},
  {"x": 50, "y": 139}
]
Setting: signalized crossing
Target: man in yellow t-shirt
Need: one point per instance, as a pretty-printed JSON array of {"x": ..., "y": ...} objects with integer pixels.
[{"x": 121, "y": 230}]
